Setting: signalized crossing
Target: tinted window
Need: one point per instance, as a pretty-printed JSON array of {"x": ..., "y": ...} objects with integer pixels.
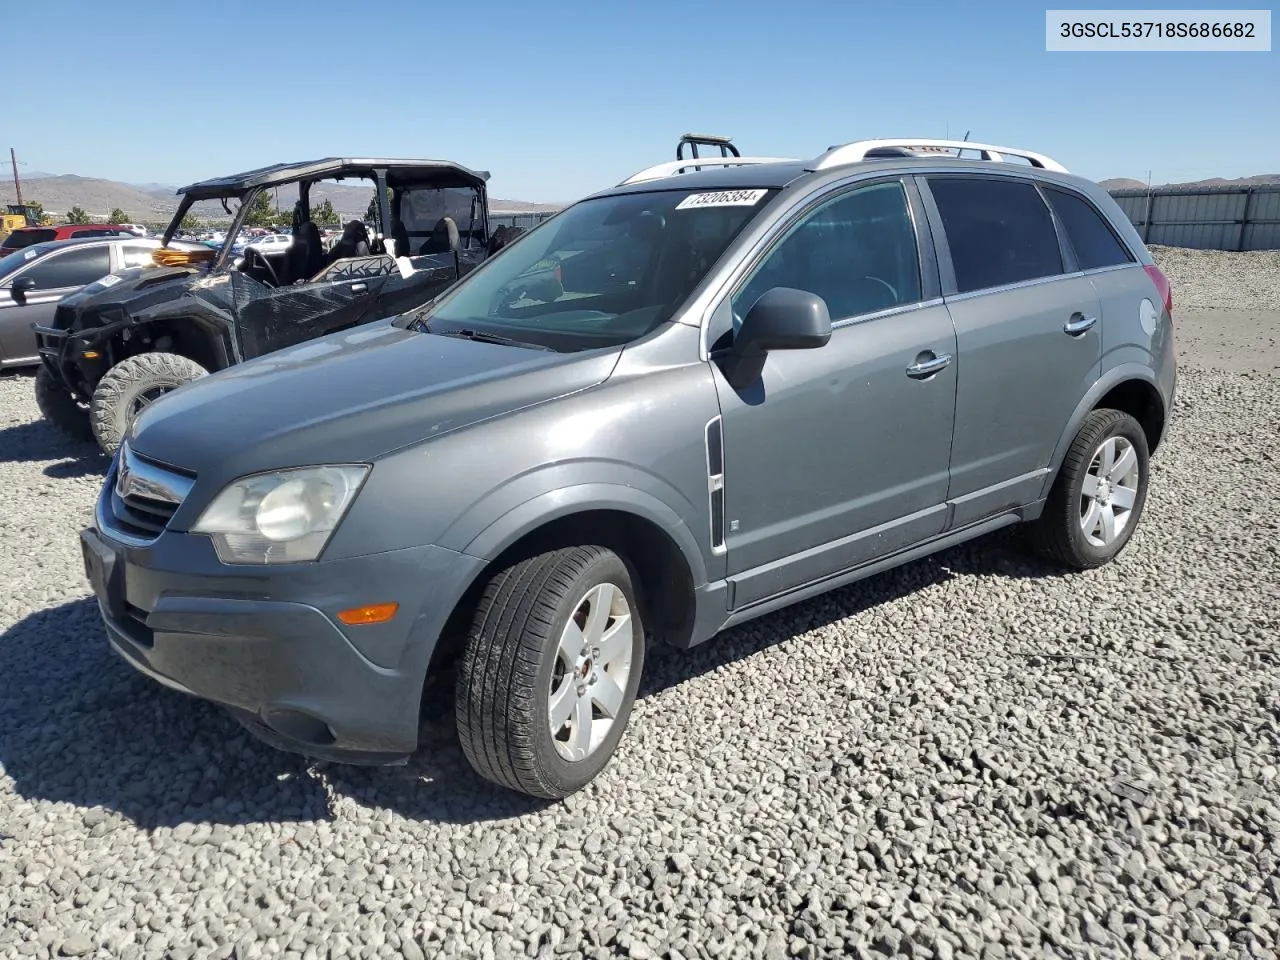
[
  {"x": 1094, "y": 242},
  {"x": 998, "y": 231},
  {"x": 71, "y": 268},
  {"x": 25, "y": 238},
  {"x": 603, "y": 272},
  {"x": 857, "y": 252}
]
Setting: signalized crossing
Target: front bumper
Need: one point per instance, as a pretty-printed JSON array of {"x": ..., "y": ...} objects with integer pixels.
[{"x": 265, "y": 643}]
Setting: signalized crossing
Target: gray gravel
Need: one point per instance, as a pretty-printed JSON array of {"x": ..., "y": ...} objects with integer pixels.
[
  {"x": 968, "y": 757},
  {"x": 1218, "y": 279}
]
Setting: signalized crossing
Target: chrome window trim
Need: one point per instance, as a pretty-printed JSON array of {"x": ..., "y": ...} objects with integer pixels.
[{"x": 888, "y": 312}]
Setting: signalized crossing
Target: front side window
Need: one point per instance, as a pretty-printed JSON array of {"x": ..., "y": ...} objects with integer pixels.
[
  {"x": 603, "y": 272},
  {"x": 1094, "y": 242},
  {"x": 857, "y": 252},
  {"x": 999, "y": 231},
  {"x": 71, "y": 268}
]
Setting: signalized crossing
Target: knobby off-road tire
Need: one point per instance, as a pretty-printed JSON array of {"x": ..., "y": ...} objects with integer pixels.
[
  {"x": 60, "y": 408},
  {"x": 524, "y": 665},
  {"x": 1097, "y": 499},
  {"x": 131, "y": 385}
]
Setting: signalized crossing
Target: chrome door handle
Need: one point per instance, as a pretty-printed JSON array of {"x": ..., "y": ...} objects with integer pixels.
[
  {"x": 924, "y": 369},
  {"x": 1079, "y": 324},
  {"x": 359, "y": 287}
]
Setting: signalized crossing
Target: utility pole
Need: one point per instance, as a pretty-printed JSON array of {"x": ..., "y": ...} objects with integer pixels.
[{"x": 17, "y": 184}]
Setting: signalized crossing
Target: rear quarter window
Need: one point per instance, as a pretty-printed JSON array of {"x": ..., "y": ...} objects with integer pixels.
[
  {"x": 1095, "y": 243},
  {"x": 998, "y": 231}
]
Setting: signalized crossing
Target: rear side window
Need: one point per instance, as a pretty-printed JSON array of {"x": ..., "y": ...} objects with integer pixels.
[
  {"x": 998, "y": 231},
  {"x": 71, "y": 268},
  {"x": 25, "y": 238},
  {"x": 1095, "y": 243},
  {"x": 858, "y": 252}
]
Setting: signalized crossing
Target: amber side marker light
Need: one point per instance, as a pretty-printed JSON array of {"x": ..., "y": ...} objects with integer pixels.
[{"x": 373, "y": 613}]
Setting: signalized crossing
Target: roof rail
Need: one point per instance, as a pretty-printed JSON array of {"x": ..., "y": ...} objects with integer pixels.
[
  {"x": 860, "y": 149},
  {"x": 672, "y": 167}
]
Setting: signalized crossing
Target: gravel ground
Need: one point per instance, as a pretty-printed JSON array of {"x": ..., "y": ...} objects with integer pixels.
[{"x": 967, "y": 757}]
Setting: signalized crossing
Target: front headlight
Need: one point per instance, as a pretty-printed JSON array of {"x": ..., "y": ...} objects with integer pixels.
[{"x": 282, "y": 517}]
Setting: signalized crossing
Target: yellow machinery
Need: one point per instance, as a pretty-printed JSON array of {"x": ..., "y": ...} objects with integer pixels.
[{"x": 16, "y": 217}]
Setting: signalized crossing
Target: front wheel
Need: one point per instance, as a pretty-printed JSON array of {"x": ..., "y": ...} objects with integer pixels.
[
  {"x": 131, "y": 386},
  {"x": 59, "y": 407},
  {"x": 1098, "y": 496},
  {"x": 550, "y": 671}
]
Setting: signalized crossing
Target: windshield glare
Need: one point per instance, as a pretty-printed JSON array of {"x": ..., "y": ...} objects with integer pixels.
[{"x": 604, "y": 272}]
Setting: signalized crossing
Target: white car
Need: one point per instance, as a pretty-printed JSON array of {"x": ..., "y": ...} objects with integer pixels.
[{"x": 275, "y": 243}]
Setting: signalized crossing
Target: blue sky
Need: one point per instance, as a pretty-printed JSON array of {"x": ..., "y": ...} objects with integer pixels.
[{"x": 560, "y": 98}]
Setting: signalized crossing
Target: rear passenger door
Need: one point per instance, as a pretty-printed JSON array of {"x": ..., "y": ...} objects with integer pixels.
[{"x": 1027, "y": 335}]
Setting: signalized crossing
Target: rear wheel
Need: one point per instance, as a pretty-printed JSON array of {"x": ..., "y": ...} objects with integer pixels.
[
  {"x": 550, "y": 671},
  {"x": 130, "y": 387},
  {"x": 1097, "y": 499},
  {"x": 60, "y": 408}
]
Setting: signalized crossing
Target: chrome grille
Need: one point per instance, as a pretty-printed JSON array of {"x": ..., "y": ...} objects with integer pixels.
[{"x": 143, "y": 496}]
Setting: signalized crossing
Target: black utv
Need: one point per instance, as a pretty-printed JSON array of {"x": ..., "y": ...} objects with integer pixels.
[{"x": 121, "y": 342}]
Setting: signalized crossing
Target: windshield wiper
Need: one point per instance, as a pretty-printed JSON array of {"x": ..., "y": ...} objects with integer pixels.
[{"x": 482, "y": 337}]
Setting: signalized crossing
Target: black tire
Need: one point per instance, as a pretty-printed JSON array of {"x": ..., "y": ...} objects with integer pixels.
[
  {"x": 132, "y": 384},
  {"x": 60, "y": 408},
  {"x": 509, "y": 670},
  {"x": 1058, "y": 532}
]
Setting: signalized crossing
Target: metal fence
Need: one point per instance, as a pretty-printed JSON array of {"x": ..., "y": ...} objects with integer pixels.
[
  {"x": 526, "y": 220},
  {"x": 1206, "y": 218}
]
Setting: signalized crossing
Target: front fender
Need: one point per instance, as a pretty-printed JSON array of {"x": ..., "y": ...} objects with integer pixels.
[
  {"x": 1105, "y": 384},
  {"x": 562, "y": 501}
]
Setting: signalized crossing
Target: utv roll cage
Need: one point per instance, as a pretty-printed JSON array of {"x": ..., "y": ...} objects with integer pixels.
[{"x": 386, "y": 175}]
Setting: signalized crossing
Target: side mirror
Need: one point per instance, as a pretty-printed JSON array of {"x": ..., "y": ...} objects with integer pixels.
[
  {"x": 782, "y": 319},
  {"x": 21, "y": 287}
]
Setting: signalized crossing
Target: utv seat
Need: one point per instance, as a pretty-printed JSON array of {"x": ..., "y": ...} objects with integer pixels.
[
  {"x": 305, "y": 255},
  {"x": 444, "y": 238},
  {"x": 354, "y": 242}
]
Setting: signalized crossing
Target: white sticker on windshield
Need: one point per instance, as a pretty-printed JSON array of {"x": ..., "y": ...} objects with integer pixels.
[
  {"x": 110, "y": 280},
  {"x": 28, "y": 255},
  {"x": 722, "y": 198}
]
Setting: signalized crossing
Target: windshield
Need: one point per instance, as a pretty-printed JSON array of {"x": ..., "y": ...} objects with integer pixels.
[
  {"x": 26, "y": 238},
  {"x": 604, "y": 272}
]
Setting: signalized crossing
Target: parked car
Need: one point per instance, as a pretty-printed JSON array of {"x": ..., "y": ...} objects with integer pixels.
[
  {"x": 113, "y": 350},
  {"x": 35, "y": 279},
  {"x": 682, "y": 403},
  {"x": 29, "y": 236}
]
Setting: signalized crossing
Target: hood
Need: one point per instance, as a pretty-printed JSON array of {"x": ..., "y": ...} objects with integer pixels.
[
  {"x": 350, "y": 397},
  {"x": 132, "y": 289}
]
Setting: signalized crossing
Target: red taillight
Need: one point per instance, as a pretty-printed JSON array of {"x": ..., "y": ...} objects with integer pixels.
[
  {"x": 1162, "y": 286},
  {"x": 559, "y": 276}
]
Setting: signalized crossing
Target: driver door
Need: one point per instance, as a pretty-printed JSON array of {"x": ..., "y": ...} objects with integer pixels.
[
  {"x": 271, "y": 318},
  {"x": 840, "y": 455}
]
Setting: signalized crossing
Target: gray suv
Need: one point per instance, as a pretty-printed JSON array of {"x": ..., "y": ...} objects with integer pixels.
[{"x": 723, "y": 386}]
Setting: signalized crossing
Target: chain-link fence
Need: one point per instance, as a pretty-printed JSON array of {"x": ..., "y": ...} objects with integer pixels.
[{"x": 526, "y": 220}]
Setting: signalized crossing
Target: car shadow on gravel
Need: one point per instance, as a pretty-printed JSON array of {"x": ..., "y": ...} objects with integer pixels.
[
  {"x": 79, "y": 726},
  {"x": 37, "y": 441},
  {"x": 1001, "y": 554}
]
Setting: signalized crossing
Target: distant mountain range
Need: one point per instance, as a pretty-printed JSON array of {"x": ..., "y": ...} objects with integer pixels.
[
  {"x": 156, "y": 202},
  {"x": 1128, "y": 183}
]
